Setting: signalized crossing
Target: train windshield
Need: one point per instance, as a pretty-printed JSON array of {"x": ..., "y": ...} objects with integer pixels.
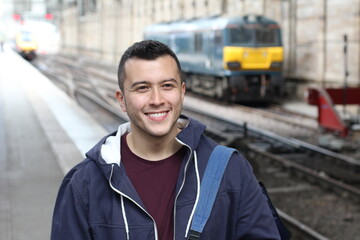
[
  {"x": 255, "y": 35},
  {"x": 27, "y": 36}
]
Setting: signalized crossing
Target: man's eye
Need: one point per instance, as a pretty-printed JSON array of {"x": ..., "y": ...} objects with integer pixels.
[
  {"x": 142, "y": 88},
  {"x": 168, "y": 86}
]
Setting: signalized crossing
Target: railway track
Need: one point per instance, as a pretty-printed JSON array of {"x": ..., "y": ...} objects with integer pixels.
[
  {"x": 267, "y": 151},
  {"x": 297, "y": 152}
]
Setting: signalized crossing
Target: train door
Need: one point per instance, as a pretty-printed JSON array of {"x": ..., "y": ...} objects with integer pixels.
[
  {"x": 214, "y": 51},
  {"x": 221, "y": 83},
  {"x": 210, "y": 51},
  {"x": 218, "y": 50}
]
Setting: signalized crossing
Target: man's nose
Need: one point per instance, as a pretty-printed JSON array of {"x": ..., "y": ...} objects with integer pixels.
[{"x": 156, "y": 96}]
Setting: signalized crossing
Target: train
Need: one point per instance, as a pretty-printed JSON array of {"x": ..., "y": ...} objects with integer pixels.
[
  {"x": 26, "y": 44},
  {"x": 234, "y": 59}
]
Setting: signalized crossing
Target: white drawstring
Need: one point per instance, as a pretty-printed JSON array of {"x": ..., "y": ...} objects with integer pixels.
[
  {"x": 122, "y": 205},
  {"x": 197, "y": 194},
  {"x": 124, "y": 217}
]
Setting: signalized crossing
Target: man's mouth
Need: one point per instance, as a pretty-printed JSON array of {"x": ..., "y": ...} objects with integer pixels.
[{"x": 157, "y": 116}]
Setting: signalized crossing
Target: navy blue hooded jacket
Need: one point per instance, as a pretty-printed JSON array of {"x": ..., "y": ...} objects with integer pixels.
[{"x": 97, "y": 201}]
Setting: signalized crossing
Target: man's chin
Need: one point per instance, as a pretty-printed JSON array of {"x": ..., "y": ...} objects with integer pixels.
[{"x": 157, "y": 134}]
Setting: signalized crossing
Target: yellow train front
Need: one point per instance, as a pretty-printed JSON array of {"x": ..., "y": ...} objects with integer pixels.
[
  {"x": 235, "y": 59},
  {"x": 26, "y": 44}
]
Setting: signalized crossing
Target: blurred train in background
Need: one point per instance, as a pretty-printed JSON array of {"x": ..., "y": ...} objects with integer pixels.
[
  {"x": 232, "y": 59},
  {"x": 30, "y": 38},
  {"x": 26, "y": 44}
]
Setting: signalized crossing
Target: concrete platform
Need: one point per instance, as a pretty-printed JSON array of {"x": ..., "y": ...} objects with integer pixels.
[{"x": 43, "y": 134}]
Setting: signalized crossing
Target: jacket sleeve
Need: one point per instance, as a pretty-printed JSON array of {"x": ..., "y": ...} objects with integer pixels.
[
  {"x": 69, "y": 218},
  {"x": 255, "y": 220}
]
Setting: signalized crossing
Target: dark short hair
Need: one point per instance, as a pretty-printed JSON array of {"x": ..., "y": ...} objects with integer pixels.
[{"x": 148, "y": 50}]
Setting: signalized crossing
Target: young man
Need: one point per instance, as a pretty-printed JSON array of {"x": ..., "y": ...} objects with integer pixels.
[{"x": 142, "y": 181}]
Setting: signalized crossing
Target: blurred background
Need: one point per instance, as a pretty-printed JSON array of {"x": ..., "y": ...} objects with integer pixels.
[
  {"x": 312, "y": 32},
  {"x": 277, "y": 79},
  {"x": 32, "y": 16}
]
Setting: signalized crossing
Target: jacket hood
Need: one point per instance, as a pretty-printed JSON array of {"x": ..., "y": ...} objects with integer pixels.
[{"x": 107, "y": 150}]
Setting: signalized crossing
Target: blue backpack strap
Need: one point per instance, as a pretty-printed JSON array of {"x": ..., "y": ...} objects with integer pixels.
[
  {"x": 210, "y": 183},
  {"x": 208, "y": 189}
]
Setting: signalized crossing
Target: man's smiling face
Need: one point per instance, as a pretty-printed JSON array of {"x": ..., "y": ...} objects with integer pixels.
[{"x": 152, "y": 96}]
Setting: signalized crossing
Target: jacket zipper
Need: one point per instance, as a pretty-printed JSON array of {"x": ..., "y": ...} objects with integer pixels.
[{"x": 182, "y": 184}]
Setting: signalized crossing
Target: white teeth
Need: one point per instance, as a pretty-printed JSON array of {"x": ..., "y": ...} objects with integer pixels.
[{"x": 157, "y": 114}]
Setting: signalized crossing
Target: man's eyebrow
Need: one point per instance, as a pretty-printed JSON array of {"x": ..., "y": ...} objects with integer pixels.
[
  {"x": 147, "y": 82},
  {"x": 138, "y": 83},
  {"x": 170, "y": 80}
]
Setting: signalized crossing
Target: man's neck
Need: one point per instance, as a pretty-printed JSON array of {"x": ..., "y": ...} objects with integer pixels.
[{"x": 153, "y": 148}]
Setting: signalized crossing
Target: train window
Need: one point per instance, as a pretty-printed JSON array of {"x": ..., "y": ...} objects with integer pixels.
[
  {"x": 27, "y": 36},
  {"x": 198, "y": 45},
  {"x": 255, "y": 35},
  {"x": 240, "y": 35},
  {"x": 266, "y": 36},
  {"x": 182, "y": 43},
  {"x": 218, "y": 37}
]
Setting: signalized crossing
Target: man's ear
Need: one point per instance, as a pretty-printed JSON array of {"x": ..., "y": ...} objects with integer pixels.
[
  {"x": 183, "y": 90},
  {"x": 121, "y": 99}
]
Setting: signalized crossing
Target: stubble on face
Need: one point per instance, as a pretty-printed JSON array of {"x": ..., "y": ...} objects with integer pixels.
[
  {"x": 153, "y": 96},
  {"x": 139, "y": 125}
]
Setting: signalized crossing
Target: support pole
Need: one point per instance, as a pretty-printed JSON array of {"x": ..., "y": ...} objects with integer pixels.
[{"x": 346, "y": 74}]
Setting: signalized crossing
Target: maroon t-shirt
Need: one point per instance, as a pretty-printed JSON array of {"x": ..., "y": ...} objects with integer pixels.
[{"x": 155, "y": 182}]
